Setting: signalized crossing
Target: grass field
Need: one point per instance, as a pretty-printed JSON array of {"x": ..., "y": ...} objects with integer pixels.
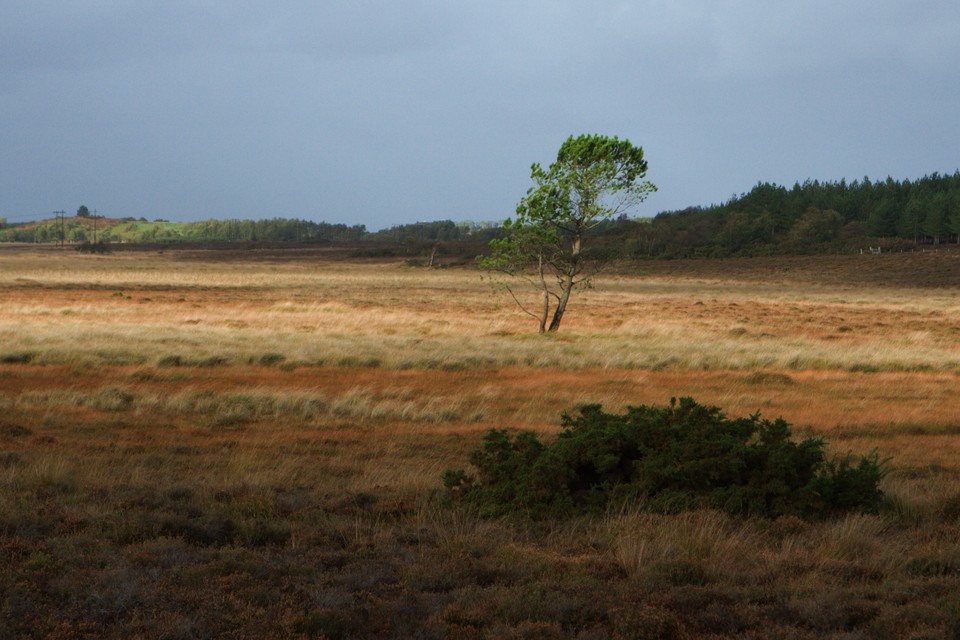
[{"x": 249, "y": 444}]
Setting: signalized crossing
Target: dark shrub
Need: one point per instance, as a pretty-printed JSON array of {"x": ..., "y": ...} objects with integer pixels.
[
  {"x": 19, "y": 357},
  {"x": 99, "y": 246},
  {"x": 669, "y": 459},
  {"x": 324, "y": 624},
  {"x": 271, "y": 359},
  {"x": 210, "y": 531}
]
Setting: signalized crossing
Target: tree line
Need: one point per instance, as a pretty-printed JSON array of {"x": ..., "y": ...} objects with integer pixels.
[
  {"x": 82, "y": 229},
  {"x": 810, "y": 217},
  {"x": 84, "y": 226}
]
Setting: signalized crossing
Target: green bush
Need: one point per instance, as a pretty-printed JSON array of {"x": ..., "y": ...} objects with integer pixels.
[{"x": 668, "y": 459}]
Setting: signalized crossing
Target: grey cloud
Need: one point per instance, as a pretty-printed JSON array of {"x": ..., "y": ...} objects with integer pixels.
[{"x": 386, "y": 112}]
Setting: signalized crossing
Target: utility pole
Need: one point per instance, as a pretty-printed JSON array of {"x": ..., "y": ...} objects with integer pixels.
[
  {"x": 94, "y": 226},
  {"x": 60, "y": 226}
]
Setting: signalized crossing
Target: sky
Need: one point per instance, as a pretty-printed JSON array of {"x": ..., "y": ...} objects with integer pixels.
[{"x": 389, "y": 112}]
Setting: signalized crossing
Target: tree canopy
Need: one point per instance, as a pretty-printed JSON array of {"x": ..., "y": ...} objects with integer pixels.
[{"x": 595, "y": 179}]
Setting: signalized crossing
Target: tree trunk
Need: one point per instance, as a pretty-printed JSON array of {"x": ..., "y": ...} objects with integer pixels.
[
  {"x": 546, "y": 295},
  {"x": 546, "y": 311},
  {"x": 567, "y": 285},
  {"x": 562, "y": 304}
]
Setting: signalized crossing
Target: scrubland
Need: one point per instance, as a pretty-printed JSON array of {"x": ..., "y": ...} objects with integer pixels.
[{"x": 250, "y": 444}]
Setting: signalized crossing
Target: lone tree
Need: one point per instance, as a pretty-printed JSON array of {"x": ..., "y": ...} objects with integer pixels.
[
  {"x": 83, "y": 212},
  {"x": 595, "y": 179}
]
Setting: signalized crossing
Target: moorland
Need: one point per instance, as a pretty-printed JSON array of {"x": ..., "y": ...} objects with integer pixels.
[{"x": 250, "y": 443}]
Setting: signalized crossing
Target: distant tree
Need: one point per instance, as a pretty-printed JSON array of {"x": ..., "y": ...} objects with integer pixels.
[
  {"x": 936, "y": 221},
  {"x": 882, "y": 220},
  {"x": 738, "y": 232},
  {"x": 83, "y": 212},
  {"x": 953, "y": 217},
  {"x": 743, "y": 231},
  {"x": 855, "y": 230},
  {"x": 912, "y": 217},
  {"x": 594, "y": 179},
  {"x": 815, "y": 227}
]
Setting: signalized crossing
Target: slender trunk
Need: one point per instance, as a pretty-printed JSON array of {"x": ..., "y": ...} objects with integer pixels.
[
  {"x": 567, "y": 285},
  {"x": 546, "y": 297},
  {"x": 546, "y": 311},
  {"x": 562, "y": 304}
]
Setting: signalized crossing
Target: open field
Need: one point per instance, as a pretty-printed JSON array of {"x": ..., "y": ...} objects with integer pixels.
[{"x": 248, "y": 444}]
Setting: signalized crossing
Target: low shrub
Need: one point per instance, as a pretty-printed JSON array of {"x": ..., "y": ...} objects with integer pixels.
[
  {"x": 668, "y": 459},
  {"x": 175, "y": 360},
  {"x": 642, "y": 623},
  {"x": 14, "y": 431},
  {"x": 99, "y": 246},
  {"x": 9, "y": 459},
  {"x": 271, "y": 359},
  {"x": 18, "y": 357}
]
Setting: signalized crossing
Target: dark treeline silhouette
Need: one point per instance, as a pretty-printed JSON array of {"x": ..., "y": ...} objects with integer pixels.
[
  {"x": 811, "y": 217},
  {"x": 273, "y": 230}
]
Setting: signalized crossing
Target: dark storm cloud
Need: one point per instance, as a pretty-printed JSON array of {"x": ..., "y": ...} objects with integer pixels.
[{"x": 383, "y": 112}]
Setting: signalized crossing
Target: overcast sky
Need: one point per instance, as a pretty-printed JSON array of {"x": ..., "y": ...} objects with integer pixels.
[{"x": 385, "y": 112}]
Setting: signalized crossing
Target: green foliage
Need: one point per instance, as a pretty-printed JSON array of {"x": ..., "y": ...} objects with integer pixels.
[
  {"x": 667, "y": 459},
  {"x": 814, "y": 228},
  {"x": 594, "y": 180}
]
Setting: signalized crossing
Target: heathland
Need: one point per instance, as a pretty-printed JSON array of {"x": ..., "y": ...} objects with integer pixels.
[{"x": 250, "y": 443}]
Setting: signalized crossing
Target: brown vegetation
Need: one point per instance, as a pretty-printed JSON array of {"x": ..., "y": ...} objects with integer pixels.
[{"x": 201, "y": 444}]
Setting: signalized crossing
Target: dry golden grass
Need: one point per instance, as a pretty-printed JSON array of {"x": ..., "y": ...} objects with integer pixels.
[
  {"x": 196, "y": 446},
  {"x": 143, "y": 309}
]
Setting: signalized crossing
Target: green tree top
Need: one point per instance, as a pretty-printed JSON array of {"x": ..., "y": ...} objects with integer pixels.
[{"x": 595, "y": 178}]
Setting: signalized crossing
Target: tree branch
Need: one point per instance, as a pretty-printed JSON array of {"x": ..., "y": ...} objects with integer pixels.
[{"x": 522, "y": 308}]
